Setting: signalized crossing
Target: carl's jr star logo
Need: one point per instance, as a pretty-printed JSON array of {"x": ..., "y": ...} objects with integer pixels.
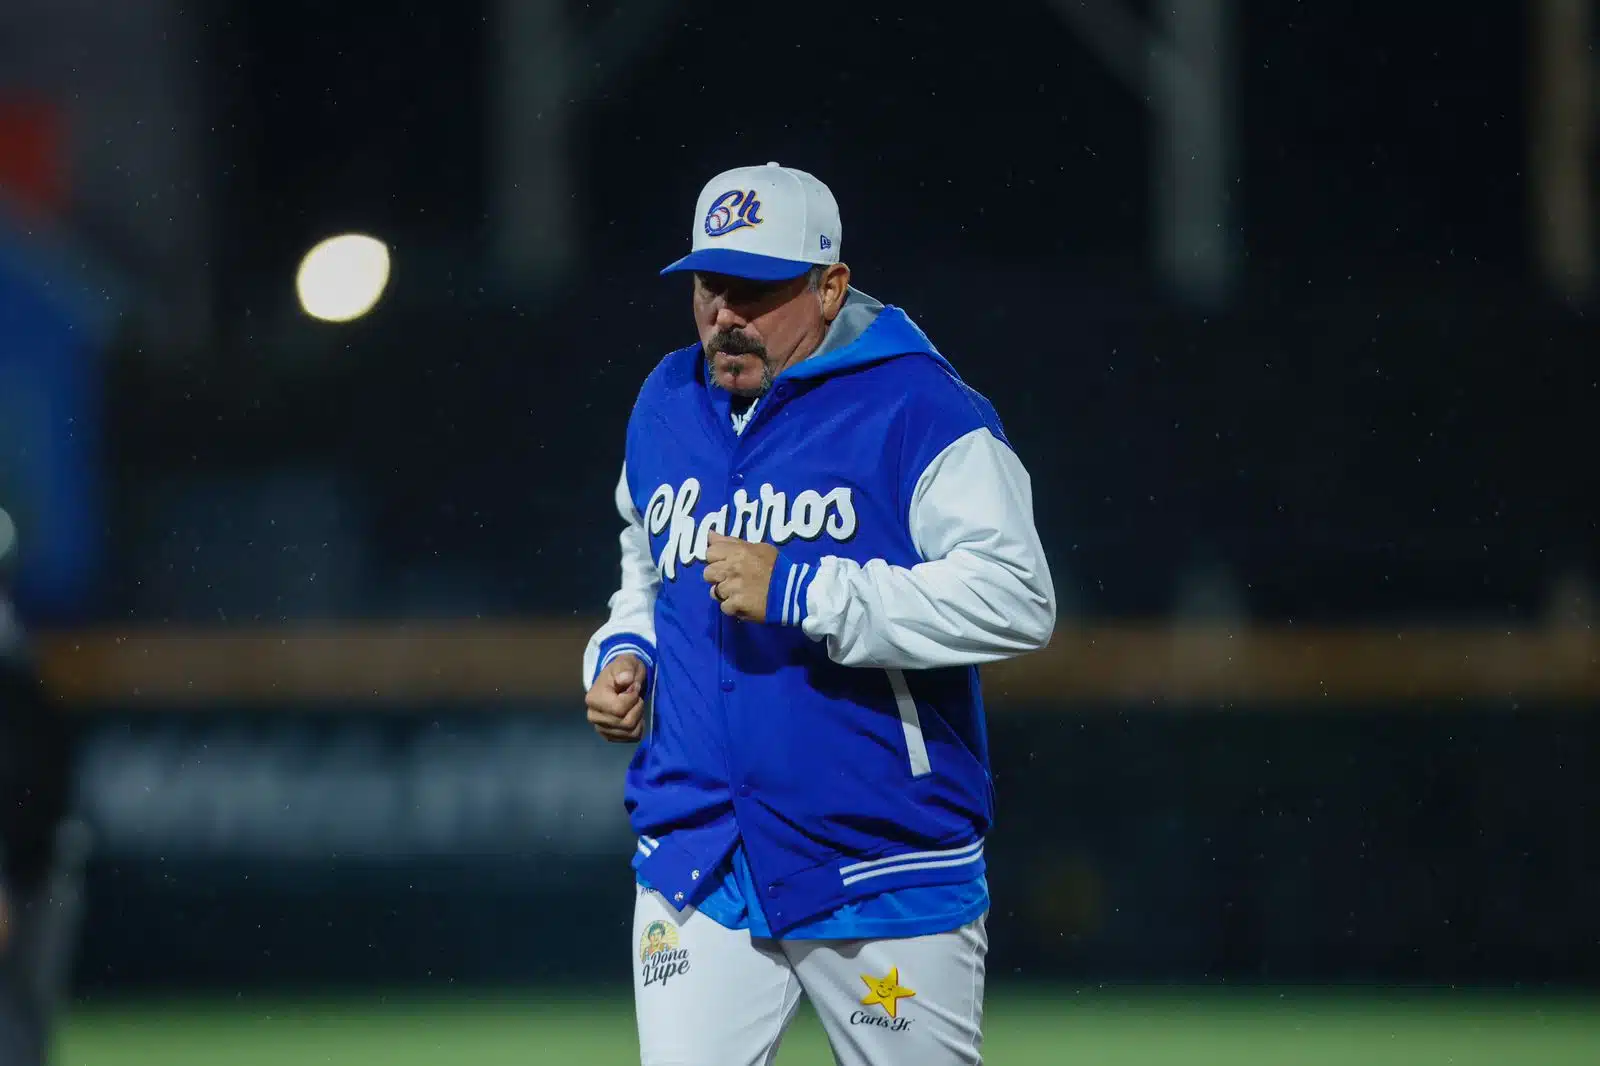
[{"x": 886, "y": 992}]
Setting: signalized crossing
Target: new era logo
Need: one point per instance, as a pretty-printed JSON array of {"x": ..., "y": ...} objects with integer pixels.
[{"x": 826, "y": 244}]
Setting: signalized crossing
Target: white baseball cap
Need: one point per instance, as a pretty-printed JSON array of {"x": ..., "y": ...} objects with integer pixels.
[{"x": 766, "y": 223}]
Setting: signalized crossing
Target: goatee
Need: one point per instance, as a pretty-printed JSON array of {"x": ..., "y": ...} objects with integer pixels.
[{"x": 733, "y": 342}]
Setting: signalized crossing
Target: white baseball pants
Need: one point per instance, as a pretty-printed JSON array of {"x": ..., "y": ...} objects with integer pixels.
[{"x": 709, "y": 996}]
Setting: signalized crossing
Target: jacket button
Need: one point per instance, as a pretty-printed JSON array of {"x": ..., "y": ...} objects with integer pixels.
[
  {"x": 744, "y": 790},
  {"x": 738, "y": 479},
  {"x": 774, "y": 891},
  {"x": 694, "y": 875},
  {"x": 677, "y": 897},
  {"x": 727, "y": 686}
]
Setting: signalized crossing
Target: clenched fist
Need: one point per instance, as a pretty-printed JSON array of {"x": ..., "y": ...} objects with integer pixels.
[
  {"x": 616, "y": 700},
  {"x": 739, "y": 573}
]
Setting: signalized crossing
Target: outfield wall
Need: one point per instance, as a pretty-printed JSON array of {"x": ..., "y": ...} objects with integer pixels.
[{"x": 328, "y": 836}]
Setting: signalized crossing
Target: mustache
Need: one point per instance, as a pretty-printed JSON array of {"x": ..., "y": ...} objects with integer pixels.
[{"x": 733, "y": 342}]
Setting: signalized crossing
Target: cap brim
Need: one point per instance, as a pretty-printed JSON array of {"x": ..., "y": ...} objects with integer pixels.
[{"x": 737, "y": 264}]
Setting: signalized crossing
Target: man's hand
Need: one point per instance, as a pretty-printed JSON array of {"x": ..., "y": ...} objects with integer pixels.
[
  {"x": 616, "y": 700},
  {"x": 739, "y": 573}
]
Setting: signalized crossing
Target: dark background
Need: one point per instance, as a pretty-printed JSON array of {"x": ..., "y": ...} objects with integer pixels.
[
  {"x": 1386, "y": 420},
  {"x": 1390, "y": 415}
]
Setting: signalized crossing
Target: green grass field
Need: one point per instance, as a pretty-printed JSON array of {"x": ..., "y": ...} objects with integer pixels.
[{"x": 1115, "y": 1027}]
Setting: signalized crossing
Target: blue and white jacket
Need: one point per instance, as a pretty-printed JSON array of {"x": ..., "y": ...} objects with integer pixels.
[{"x": 833, "y": 758}]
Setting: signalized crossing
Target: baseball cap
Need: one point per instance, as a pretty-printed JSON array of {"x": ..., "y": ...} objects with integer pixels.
[{"x": 768, "y": 223}]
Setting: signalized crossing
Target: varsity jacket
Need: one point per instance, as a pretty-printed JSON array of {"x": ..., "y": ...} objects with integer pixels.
[{"x": 840, "y": 744}]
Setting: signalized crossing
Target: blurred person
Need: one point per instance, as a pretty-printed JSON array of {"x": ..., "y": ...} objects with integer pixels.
[
  {"x": 35, "y": 909},
  {"x": 826, "y": 532}
]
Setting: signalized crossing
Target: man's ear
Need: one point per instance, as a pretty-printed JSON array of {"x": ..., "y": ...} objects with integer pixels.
[{"x": 834, "y": 289}]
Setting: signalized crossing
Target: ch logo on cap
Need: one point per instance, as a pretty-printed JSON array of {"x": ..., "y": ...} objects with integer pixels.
[{"x": 734, "y": 209}]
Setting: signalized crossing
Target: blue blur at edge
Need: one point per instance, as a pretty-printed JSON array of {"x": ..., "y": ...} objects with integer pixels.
[{"x": 51, "y": 340}]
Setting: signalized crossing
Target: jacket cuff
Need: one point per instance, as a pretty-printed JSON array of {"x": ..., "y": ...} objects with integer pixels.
[
  {"x": 620, "y": 644},
  {"x": 786, "y": 596}
]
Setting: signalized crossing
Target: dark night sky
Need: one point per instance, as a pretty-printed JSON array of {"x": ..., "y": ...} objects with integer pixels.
[
  {"x": 1382, "y": 421},
  {"x": 999, "y": 137}
]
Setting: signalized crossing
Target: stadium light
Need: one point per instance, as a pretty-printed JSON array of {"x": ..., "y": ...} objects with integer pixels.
[{"x": 342, "y": 278}]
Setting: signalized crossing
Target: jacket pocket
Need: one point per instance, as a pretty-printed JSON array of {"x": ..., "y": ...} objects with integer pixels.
[{"x": 910, "y": 723}]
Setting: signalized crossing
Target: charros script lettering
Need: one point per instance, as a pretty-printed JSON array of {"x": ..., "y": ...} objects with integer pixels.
[{"x": 769, "y": 515}]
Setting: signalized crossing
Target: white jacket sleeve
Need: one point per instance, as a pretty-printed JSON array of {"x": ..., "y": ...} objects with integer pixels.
[
  {"x": 983, "y": 594},
  {"x": 631, "y": 628}
]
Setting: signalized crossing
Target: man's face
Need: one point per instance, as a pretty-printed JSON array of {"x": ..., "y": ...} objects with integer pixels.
[{"x": 753, "y": 330}]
